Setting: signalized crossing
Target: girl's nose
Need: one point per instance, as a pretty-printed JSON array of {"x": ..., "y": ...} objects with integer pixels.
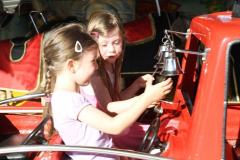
[{"x": 111, "y": 48}]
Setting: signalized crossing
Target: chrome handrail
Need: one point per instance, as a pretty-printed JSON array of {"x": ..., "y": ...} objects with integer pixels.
[
  {"x": 21, "y": 98},
  {"x": 34, "y": 24},
  {"x": 176, "y": 32},
  {"x": 84, "y": 149},
  {"x": 190, "y": 52}
]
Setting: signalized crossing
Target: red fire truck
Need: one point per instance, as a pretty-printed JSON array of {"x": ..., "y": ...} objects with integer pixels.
[{"x": 202, "y": 122}]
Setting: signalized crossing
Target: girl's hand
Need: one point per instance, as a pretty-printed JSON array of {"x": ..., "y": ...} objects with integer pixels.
[
  {"x": 159, "y": 90},
  {"x": 143, "y": 79}
]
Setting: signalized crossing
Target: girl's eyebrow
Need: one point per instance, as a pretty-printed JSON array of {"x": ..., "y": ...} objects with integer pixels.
[
  {"x": 103, "y": 40},
  {"x": 106, "y": 41}
]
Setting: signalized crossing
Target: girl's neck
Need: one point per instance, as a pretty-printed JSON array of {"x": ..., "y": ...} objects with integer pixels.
[
  {"x": 64, "y": 83},
  {"x": 109, "y": 67}
]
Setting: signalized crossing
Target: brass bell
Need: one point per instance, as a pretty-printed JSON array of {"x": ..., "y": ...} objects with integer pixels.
[{"x": 171, "y": 67}]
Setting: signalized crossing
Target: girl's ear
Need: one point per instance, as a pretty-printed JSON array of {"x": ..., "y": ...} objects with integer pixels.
[{"x": 70, "y": 65}]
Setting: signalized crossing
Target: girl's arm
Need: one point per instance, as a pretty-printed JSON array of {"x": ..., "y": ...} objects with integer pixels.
[
  {"x": 105, "y": 100},
  {"x": 115, "y": 125},
  {"x": 134, "y": 87}
]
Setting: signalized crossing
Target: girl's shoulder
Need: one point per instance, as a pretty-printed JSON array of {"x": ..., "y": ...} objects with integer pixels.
[{"x": 66, "y": 96}]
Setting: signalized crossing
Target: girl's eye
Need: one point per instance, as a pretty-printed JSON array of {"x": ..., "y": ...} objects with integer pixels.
[{"x": 104, "y": 45}]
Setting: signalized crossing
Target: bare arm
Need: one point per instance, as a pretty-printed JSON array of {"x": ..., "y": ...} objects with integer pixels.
[
  {"x": 115, "y": 125},
  {"x": 134, "y": 87},
  {"x": 105, "y": 100}
]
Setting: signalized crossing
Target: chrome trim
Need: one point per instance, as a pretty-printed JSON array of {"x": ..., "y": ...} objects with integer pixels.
[
  {"x": 34, "y": 24},
  {"x": 182, "y": 33},
  {"x": 188, "y": 51},
  {"x": 21, "y": 98},
  {"x": 232, "y": 103},
  {"x": 169, "y": 102},
  {"x": 65, "y": 148},
  {"x": 204, "y": 54},
  {"x": 20, "y": 111},
  {"x": 158, "y": 8}
]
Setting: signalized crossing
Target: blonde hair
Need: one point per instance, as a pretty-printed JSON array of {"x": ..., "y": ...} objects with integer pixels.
[
  {"x": 103, "y": 23},
  {"x": 58, "y": 48}
]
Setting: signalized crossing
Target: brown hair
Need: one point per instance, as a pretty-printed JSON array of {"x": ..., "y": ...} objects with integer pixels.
[
  {"x": 58, "y": 48},
  {"x": 103, "y": 23}
]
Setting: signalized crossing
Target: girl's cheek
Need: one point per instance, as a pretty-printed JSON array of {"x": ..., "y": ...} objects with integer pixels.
[
  {"x": 102, "y": 51},
  {"x": 119, "y": 50}
]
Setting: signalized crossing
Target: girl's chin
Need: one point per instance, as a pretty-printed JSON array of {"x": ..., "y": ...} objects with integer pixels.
[
  {"x": 85, "y": 83},
  {"x": 110, "y": 61}
]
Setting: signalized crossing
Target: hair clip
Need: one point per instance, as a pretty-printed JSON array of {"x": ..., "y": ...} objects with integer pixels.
[
  {"x": 76, "y": 47},
  {"x": 94, "y": 34},
  {"x": 48, "y": 99}
]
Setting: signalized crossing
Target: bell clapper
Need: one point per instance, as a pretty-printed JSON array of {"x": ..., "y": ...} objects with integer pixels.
[{"x": 154, "y": 71}]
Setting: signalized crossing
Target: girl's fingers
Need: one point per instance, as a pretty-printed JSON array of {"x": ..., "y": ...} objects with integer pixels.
[
  {"x": 149, "y": 81},
  {"x": 167, "y": 91},
  {"x": 169, "y": 80},
  {"x": 166, "y": 83},
  {"x": 168, "y": 86},
  {"x": 146, "y": 77}
]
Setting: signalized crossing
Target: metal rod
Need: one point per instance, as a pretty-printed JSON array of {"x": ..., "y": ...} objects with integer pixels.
[
  {"x": 83, "y": 149},
  {"x": 21, "y": 98},
  {"x": 19, "y": 111},
  {"x": 44, "y": 20},
  {"x": 154, "y": 71},
  {"x": 182, "y": 33},
  {"x": 190, "y": 52},
  {"x": 158, "y": 8},
  {"x": 34, "y": 24},
  {"x": 169, "y": 102}
]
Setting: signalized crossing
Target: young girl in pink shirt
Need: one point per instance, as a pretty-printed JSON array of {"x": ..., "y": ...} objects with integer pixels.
[{"x": 105, "y": 86}]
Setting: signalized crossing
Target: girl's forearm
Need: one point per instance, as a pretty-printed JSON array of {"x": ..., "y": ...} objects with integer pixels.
[
  {"x": 130, "y": 91},
  {"x": 120, "y": 106},
  {"x": 132, "y": 113}
]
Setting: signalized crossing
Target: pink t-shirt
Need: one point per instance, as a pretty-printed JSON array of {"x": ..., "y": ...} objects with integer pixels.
[{"x": 66, "y": 107}]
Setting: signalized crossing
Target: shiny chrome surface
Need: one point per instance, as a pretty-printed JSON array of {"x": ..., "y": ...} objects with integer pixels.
[
  {"x": 165, "y": 54},
  {"x": 171, "y": 67},
  {"x": 65, "y": 148},
  {"x": 190, "y": 52},
  {"x": 34, "y": 24},
  {"x": 20, "y": 111},
  {"x": 21, "y": 98},
  {"x": 158, "y": 65},
  {"x": 161, "y": 49},
  {"x": 181, "y": 33}
]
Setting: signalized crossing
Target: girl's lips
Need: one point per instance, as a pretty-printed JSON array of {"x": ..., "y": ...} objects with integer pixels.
[{"x": 111, "y": 56}]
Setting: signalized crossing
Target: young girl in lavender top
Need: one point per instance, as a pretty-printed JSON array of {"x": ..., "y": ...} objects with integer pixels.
[{"x": 70, "y": 55}]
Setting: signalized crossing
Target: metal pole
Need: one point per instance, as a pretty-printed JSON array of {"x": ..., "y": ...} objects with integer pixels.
[
  {"x": 83, "y": 149},
  {"x": 158, "y": 8}
]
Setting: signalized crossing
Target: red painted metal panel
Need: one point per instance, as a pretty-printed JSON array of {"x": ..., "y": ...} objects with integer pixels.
[{"x": 199, "y": 136}]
